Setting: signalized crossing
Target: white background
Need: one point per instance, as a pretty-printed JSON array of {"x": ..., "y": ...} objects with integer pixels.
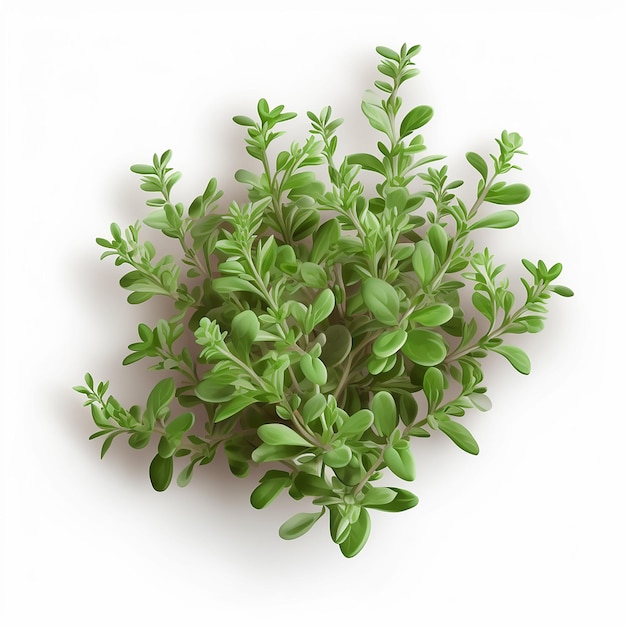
[{"x": 529, "y": 532}]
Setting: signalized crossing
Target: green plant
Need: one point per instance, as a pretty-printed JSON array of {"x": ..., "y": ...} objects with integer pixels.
[{"x": 323, "y": 346}]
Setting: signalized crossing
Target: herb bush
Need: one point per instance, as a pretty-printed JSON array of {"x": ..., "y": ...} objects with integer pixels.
[{"x": 330, "y": 327}]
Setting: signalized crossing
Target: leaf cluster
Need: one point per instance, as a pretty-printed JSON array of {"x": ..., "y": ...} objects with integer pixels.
[{"x": 317, "y": 330}]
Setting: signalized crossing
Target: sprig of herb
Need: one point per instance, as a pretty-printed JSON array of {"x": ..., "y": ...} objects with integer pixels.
[{"x": 328, "y": 326}]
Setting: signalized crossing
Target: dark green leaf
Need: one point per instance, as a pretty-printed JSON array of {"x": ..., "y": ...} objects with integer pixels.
[
  {"x": 161, "y": 471},
  {"x": 415, "y": 118},
  {"x": 338, "y": 345},
  {"x": 269, "y": 490}
]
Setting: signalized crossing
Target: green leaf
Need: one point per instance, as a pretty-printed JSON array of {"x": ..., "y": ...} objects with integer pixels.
[
  {"x": 139, "y": 440},
  {"x": 324, "y": 239},
  {"x": 415, "y": 118},
  {"x": 281, "y": 435},
  {"x": 313, "y": 275},
  {"x": 356, "y": 424},
  {"x": 184, "y": 477},
  {"x": 388, "y": 53},
  {"x": 561, "y": 290},
  {"x": 338, "y": 345},
  {"x": 434, "y": 386},
  {"x": 403, "y": 501},
  {"x": 313, "y": 369},
  {"x": 216, "y": 387},
  {"x": 267, "y": 452},
  {"x": 483, "y": 305},
  {"x": 298, "y": 525},
  {"x": 396, "y": 198},
  {"x": 433, "y": 315},
  {"x": 142, "y": 169},
  {"x": 480, "y": 401},
  {"x": 501, "y": 219},
  {"x": 323, "y": 306},
  {"x": 385, "y": 413},
  {"x": 242, "y": 120},
  {"x": 226, "y": 284},
  {"x": 180, "y": 424},
  {"x": 424, "y": 262},
  {"x": 338, "y": 457},
  {"x": 161, "y": 471},
  {"x": 269, "y": 489},
  {"x": 233, "y": 406},
  {"x": 478, "y": 163},
  {"x": 516, "y": 357},
  {"x": 389, "y": 343},
  {"x": 358, "y": 535},
  {"x": 508, "y": 194},
  {"x": 167, "y": 447},
  {"x": 367, "y": 162},
  {"x": 460, "y": 435},
  {"x": 382, "y": 300},
  {"x": 377, "y": 118},
  {"x": 377, "y": 496},
  {"x": 438, "y": 239},
  {"x": 401, "y": 462},
  {"x": 313, "y": 407},
  {"x": 425, "y": 347},
  {"x": 161, "y": 396},
  {"x": 244, "y": 330}
]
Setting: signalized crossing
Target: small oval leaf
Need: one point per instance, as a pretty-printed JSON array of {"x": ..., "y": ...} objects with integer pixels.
[
  {"x": 299, "y": 524},
  {"x": 425, "y": 347},
  {"x": 382, "y": 300}
]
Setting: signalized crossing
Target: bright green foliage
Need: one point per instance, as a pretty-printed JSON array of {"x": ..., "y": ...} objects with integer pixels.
[{"x": 315, "y": 329}]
